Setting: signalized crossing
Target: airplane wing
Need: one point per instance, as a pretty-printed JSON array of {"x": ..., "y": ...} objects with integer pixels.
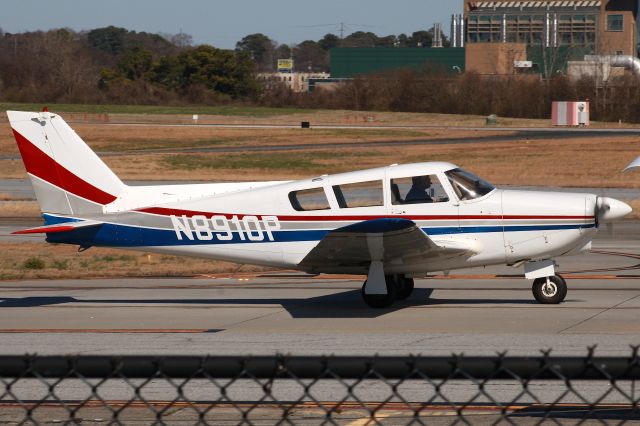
[
  {"x": 60, "y": 227},
  {"x": 394, "y": 241}
]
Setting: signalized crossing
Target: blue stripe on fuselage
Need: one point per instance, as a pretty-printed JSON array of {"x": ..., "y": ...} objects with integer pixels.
[
  {"x": 55, "y": 220},
  {"x": 112, "y": 235}
]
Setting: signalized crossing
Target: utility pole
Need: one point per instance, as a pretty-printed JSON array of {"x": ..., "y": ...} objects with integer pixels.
[{"x": 341, "y": 30}]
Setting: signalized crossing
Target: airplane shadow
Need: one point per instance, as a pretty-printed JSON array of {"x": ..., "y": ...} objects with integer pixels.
[{"x": 346, "y": 304}]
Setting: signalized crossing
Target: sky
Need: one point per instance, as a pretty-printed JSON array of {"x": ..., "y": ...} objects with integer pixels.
[{"x": 223, "y": 23}]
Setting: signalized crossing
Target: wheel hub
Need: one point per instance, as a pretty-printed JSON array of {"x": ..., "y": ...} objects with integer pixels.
[{"x": 549, "y": 289}]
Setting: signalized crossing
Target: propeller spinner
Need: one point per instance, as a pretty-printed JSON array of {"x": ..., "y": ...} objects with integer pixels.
[{"x": 609, "y": 209}]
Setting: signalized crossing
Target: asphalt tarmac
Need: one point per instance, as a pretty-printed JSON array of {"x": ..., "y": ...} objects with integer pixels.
[{"x": 480, "y": 311}]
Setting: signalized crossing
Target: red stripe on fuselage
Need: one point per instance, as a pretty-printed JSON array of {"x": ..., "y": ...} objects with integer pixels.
[
  {"x": 162, "y": 211},
  {"x": 46, "y": 168}
]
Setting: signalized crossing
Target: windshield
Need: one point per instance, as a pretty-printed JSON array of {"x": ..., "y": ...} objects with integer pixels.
[{"x": 468, "y": 186}]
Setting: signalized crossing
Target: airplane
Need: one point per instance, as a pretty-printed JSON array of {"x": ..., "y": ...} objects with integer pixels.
[{"x": 392, "y": 224}]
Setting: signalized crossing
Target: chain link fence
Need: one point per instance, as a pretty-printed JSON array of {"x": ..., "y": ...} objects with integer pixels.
[{"x": 340, "y": 390}]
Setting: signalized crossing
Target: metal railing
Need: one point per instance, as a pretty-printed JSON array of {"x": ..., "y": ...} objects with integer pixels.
[{"x": 319, "y": 390}]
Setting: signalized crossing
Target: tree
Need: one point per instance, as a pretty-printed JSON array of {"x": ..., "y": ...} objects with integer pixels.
[
  {"x": 309, "y": 56},
  {"x": 329, "y": 41},
  {"x": 115, "y": 41},
  {"x": 135, "y": 63},
  {"x": 181, "y": 40},
  {"x": 109, "y": 39},
  {"x": 222, "y": 71},
  {"x": 360, "y": 39},
  {"x": 403, "y": 41},
  {"x": 421, "y": 39},
  {"x": 387, "y": 41},
  {"x": 260, "y": 48},
  {"x": 283, "y": 52}
]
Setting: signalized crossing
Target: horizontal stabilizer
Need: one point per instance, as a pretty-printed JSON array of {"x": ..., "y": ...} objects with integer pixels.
[{"x": 57, "y": 228}]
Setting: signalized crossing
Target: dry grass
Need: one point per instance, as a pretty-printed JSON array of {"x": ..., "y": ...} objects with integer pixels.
[
  {"x": 24, "y": 261},
  {"x": 19, "y": 209},
  {"x": 6, "y": 196},
  {"x": 635, "y": 205},
  {"x": 132, "y": 138},
  {"x": 595, "y": 162},
  {"x": 567, "y": 162}
]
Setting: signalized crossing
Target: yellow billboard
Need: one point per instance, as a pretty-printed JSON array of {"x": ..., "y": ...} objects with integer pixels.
[{"x": 285, "y": 65}]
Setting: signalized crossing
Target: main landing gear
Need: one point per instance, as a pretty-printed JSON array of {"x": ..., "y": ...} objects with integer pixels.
[
  {"x": 397, "y": 287},
  {"x": 548, "y": 287}
]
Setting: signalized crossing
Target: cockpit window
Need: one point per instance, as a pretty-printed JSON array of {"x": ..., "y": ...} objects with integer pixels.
[
  {"x": 309, "y": 199},
  {"x": 417, "y": 190},
  {"x": 468, "y": 186}
]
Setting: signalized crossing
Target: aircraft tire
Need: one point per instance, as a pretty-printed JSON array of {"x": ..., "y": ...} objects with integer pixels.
[
  {"x": 379, "y": 301},
  {"x": 405, "y": 287},
  {"x": 549, "y": 295}
]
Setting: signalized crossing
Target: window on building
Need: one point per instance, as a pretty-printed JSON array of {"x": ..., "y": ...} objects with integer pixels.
[
  {"x": 361, "y": 194},
  {"x": 417, "y": 190},
  {"x": 536, "y": 38},
  {"x": 615, "y": 22},
  {"x": 309, "y": 199}
]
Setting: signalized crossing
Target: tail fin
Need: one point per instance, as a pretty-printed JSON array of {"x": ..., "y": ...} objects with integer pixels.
[{"x": 67, "y": 176}]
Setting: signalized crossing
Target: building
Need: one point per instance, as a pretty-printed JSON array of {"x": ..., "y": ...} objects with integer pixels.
[
  {"x": 351, "y": 62},
  {"x": 507, "y": 31},
  {"x": 296, "y": 81}
]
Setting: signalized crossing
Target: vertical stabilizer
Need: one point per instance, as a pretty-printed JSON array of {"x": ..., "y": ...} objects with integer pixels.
[{"x": 67, "y": 176}]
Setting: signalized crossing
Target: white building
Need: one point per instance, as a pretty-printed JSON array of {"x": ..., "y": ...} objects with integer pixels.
[{"x": 296, "y": 81}]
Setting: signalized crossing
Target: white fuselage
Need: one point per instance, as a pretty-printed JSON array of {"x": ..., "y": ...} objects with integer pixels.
[{"x": 260, "y": 225}]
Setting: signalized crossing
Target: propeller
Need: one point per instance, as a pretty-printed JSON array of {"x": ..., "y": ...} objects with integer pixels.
[{"x": 609, "y": 209}]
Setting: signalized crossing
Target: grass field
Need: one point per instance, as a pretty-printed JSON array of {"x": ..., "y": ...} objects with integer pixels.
[
  {"x": 40, "y": 260},
  {"x": 593, "y": 162}
]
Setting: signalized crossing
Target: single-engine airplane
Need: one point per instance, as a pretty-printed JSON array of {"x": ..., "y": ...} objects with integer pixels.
[{"x": 391, "y": 223}]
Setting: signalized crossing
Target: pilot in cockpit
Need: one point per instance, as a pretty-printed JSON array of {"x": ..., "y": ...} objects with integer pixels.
[{"x": 419, "y": 192}]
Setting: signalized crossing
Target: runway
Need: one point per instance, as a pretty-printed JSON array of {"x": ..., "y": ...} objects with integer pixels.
[{"x": 479, "y": 311}]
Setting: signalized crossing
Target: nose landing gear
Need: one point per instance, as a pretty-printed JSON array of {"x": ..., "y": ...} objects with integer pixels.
[{"x": 548, "y": 287}]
